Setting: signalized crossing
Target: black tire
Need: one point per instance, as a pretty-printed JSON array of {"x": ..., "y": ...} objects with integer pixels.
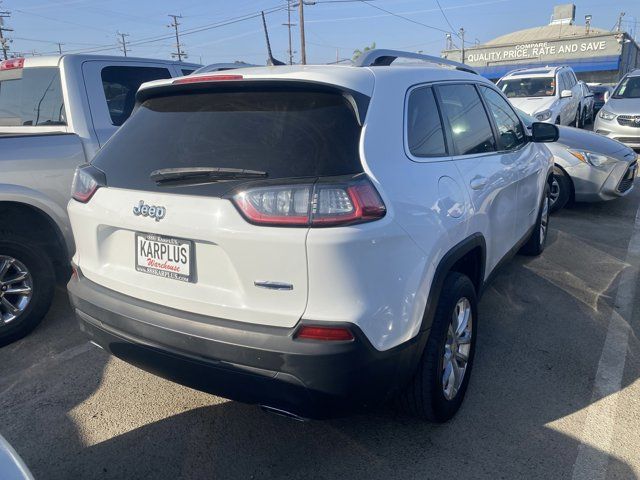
[
  {"x": 557, "y": 122},
  {"x": 560, "y": 193},
  {"x": 424, "y": 397},
  {"x": 577, "y": 120},
  {"x": 538, "y": 239},
  {"x": 43, "y": 279}
]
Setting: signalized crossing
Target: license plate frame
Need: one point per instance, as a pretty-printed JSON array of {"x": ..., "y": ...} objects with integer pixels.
[{"x": 168, "y": 272}]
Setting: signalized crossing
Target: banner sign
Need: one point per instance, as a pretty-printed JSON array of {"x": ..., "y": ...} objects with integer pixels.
[{"x": 552, "y": 50}]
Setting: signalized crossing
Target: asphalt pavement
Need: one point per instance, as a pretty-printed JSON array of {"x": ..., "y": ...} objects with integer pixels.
[{"x": 554, "y": 392}]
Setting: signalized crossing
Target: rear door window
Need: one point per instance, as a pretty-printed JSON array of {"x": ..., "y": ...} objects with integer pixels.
[
  {"x": 31, "y": 97},
  {"x": 468, "y": 122},
  {"x": 425, "y": 135},
  {"x": 287, "y": 133},
  {"x": 120, "y": 84}
]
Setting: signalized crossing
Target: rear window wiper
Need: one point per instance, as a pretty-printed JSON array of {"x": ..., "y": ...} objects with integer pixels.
[{"x": 191, "y": 175}]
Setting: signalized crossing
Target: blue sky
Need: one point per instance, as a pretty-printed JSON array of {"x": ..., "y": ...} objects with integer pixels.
[{"x": 332, "y": 27}]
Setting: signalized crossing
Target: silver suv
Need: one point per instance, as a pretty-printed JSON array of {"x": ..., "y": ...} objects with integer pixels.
[
  {"x": 549, "y": 94},
  {"x": 620, "y": 117}
]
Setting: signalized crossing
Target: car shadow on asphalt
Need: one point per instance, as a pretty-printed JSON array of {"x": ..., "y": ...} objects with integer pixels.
[{"x": 540, "y": 339}]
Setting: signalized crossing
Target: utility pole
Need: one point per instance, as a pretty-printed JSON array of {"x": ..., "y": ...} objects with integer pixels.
[
  {"x": 123, "y": 42},
  {"x": 619, "y": 23},
  {"x": 59, "y": 47},
  {"x": 303, "y": 48},
  {"x": 462, "y": 40},
  {"x": 179, "y": 53},
  {"x": 4, "y": 42},
  {"x": 289, "y": 25}
]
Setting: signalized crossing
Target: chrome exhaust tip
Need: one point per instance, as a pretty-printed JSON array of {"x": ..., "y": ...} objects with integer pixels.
[{"x": 283, "y": 413}]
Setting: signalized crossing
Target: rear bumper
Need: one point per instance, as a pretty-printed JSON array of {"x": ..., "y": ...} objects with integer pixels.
[{"x": 248, "y": 363}]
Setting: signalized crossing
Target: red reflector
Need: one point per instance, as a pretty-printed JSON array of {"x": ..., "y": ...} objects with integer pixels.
[
  {"x": 207, "y": 78},
  {"x": 325, "y": 333},
  {"x": 12, "y": 64}
]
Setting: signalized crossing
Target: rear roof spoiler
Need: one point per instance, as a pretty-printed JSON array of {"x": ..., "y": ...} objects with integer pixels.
[{"x": 381, "y": 57}]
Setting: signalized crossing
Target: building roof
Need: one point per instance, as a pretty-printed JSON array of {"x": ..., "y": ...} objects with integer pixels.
[{"x": 546, "y": 32}]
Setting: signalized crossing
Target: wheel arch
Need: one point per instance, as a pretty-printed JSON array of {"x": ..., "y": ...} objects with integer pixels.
[
  {"x": 33, "y": 223},
  {"x": 572, "y": 195},
  {"x": 467, "y": 257}
]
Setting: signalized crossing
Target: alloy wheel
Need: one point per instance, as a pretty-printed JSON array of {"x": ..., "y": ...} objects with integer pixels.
[
  {"x": 16, "y": 289},
  {"x": 457, "y": 348},
  {"x": 554, "y": 191}
]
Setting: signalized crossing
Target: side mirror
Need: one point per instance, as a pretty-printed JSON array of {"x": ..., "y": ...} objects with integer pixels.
[
  {"x": 544, "y": 132},
  {"x": 566, "y": 94},
  {"x": 607, "y": 96}
]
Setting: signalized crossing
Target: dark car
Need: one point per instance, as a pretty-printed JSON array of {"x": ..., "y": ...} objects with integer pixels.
[{"x": 598, "y": 95}]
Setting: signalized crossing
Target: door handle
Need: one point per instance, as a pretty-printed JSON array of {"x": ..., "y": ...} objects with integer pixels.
[{"x": 478, "y": 182}]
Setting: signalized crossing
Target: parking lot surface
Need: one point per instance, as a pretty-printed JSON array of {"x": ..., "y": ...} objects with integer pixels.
[{"x": 554, "y": 392}]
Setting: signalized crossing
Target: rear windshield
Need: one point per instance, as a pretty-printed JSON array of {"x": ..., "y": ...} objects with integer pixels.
[
  {"x": 287, "y": 134},
  {"x": 528, "y": 87},
  {"x": 31, "y": 97}
]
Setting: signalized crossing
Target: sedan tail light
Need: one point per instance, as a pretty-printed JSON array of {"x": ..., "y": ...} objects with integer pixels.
[
  {"x": 323, "y": 203},
  {"x": 86, "y": 180}
]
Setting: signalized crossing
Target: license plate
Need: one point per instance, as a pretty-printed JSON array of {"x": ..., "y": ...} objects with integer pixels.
[{"x": 165, "y": 256}]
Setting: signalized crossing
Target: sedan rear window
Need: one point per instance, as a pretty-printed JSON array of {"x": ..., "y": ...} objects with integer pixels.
[{"x": 286, "y": 133}]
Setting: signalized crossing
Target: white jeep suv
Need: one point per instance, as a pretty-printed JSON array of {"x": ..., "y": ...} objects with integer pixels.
[
  {"x": 550, "y": 94},
  {"x": 309, "y": 239}
]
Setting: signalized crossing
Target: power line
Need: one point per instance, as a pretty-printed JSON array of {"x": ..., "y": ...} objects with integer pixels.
[
  {"x": 366, "y": 2},
  {"x": 445, "y": 17},
  {"x": 157, "y": 38}
]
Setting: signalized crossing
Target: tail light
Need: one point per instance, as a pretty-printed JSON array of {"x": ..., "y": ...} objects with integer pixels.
[
  {"x": 326, "y": 334},
  {"x": 86, "y": 181},
  {"x": 12, "y": 64},
  {"x": 323, "y": 203}
]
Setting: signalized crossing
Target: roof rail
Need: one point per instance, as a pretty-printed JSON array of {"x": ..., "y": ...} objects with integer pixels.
[{"x": 382, "y": 57}]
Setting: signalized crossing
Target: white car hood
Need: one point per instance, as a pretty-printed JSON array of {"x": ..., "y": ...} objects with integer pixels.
[
  {"x": 623, "y": 106},
  {"x": 533, "y": 105}
]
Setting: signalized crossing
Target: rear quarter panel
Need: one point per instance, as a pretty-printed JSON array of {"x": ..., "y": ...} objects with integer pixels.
[
  {"x": 37, "y": 170},
  {"x": 378, "y": 275}
]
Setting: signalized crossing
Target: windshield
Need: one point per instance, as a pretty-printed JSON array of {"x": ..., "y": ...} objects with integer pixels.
[
  {"x": 528, "y": 87},
  {"x": 628, "y": 88}
]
